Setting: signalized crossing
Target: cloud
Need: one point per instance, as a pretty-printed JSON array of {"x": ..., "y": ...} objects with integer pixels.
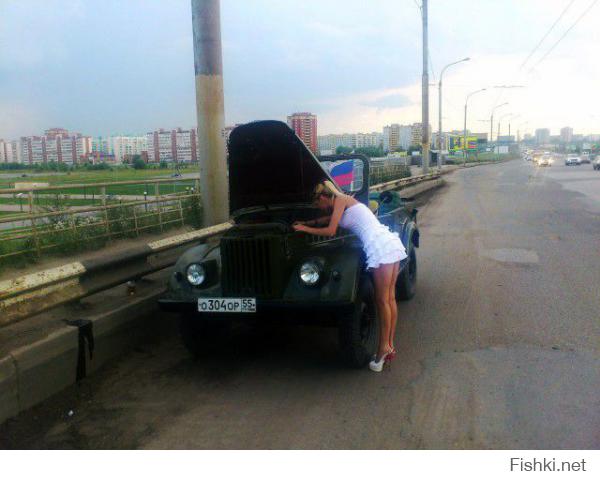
[
  {"x": 356, "y": 64},
  {"x": 327, "y": 29},
  {"x": 389, "y": 101}
]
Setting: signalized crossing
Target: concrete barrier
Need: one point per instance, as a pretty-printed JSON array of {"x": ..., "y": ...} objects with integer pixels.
[
  {"x": 31, "y": 373},
  {"x": 9, "y": 389},
  {"x": 46, "y": 366}
]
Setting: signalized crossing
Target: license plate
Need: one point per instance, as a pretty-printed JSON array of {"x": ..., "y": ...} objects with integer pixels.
[{"x": 227, "y": 305}]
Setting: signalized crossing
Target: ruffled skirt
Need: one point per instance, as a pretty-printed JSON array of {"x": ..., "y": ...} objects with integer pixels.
[{"x": 382, "y": 246}]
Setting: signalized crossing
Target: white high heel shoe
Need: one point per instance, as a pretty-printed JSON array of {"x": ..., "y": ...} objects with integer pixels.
[{"x": 377, "y": 366}]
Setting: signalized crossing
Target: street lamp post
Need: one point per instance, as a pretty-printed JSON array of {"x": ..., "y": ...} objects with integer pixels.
[
  {"x": 509, "y": 120},
  {"x": 492, "y": 120},
  {"x": 465, "y": 129},
  {"x": 440, "y": 108},
  {"x": 498, "y": 137},
  {"x": 500, "y": 121},
  {"x": 519, "y": 131},
  {"x": 498, "y": 106}
]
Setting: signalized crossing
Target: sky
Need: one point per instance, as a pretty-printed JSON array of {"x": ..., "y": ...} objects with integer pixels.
[{"x": 104, "y": 67}]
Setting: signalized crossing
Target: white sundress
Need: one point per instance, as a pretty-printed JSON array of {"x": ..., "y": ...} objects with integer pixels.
[{"x": 381, "y": 245}]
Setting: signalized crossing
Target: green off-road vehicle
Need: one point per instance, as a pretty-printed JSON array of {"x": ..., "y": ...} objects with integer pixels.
[{"x": 262, "y": 268}]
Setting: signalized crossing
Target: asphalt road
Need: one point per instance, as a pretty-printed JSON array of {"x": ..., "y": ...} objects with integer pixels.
[{"x": 500, "y": 348}]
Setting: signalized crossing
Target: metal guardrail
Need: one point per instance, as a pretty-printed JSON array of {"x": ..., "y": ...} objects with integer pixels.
[
  {"x": 34, "y": 293},
  {"x": 30, "y": 294},
  {"x": 43, "y": 228},
  {"x": 404, "y": 182}
]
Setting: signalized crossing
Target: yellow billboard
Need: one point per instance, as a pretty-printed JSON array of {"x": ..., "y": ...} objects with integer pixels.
[{"x": 456, "y": 143}]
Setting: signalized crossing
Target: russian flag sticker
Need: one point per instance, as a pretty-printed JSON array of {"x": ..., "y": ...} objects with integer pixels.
[{"x": 343, "y": 173}]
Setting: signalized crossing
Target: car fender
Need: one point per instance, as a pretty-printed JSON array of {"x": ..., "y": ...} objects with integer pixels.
[
  {"x": 410, "y": 235},
  {"x": 196, "y": 254},
  {"x": 339, "y": 285}
]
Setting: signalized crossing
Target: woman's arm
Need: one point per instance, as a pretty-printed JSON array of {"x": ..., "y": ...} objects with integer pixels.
[
  {"x": 334, "y": 220},
  {"x": 313, "y": 223},
  {"x": 318, "y": 221}
]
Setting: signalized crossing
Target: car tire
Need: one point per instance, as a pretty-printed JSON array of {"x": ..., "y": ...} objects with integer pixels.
[
  {"x": 359, "y": 328},
  {"x": 406, "y": 284},
  {"x": 199, "y": 334}
]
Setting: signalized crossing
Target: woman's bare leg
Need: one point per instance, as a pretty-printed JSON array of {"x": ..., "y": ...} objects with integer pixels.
[
  {"x": 393, "y": 304},
  {"x": 382, "y": 277}
]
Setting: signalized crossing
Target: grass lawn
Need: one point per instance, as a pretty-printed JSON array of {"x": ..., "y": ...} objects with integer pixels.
[{"x": 121, "y": 174}]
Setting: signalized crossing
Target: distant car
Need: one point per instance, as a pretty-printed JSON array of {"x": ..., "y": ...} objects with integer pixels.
[
  {"x": 572, "y": 161},
  {"x": 175, "y": 175},
  {"x": 585, "y": 158},
  {"x": 545, "y": 161},
  {"x": 596, "y": 163}
]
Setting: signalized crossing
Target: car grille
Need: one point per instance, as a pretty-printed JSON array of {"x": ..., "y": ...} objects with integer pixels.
[
  {"x": 251, "y": 266},
  {"x": 318, "y": 239}
]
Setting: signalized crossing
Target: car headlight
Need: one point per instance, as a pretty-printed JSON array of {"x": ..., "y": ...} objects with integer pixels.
[
  {"x": 310, "y": 273},
  {"x": 196, "y": 274}
]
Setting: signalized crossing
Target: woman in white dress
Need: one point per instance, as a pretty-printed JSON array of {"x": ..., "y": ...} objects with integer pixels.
[{"x": 383, "y": 248}]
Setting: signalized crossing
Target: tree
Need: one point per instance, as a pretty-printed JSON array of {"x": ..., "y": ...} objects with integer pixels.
[
  {"x": 371, "y": 152},
  {"x": 341, "y": 150},
  {"x": 138, "y": 162}
]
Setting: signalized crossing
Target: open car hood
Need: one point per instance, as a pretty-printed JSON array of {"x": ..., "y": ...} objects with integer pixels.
[{"x": 269, "y": 165}]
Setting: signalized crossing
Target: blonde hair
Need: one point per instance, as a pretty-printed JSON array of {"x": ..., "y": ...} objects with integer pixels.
[{"x": 326, "y": 188}]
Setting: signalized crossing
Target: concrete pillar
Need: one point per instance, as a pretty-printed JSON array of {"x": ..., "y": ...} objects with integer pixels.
[{"x": 208, "y": 65}]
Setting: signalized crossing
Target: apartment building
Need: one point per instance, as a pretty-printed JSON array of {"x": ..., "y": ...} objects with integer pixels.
[
  {"x": 373, "y": 139},
  {"x": 305, "y": 126},
  {"x": 101, "y": 145},
  {"x": 542, "y": 136},
  {"x": 9, "y": 151},
  {"x": 351, "y": 140},
  {"x": 332, "y": 141},
  {"x": 177, "y": 146},
  {"x": 122, "y": 147},
  {"x": 56, "y": 145},
  {"x": 396, "y": 137},
  {"x": 566, "y": 134}
]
